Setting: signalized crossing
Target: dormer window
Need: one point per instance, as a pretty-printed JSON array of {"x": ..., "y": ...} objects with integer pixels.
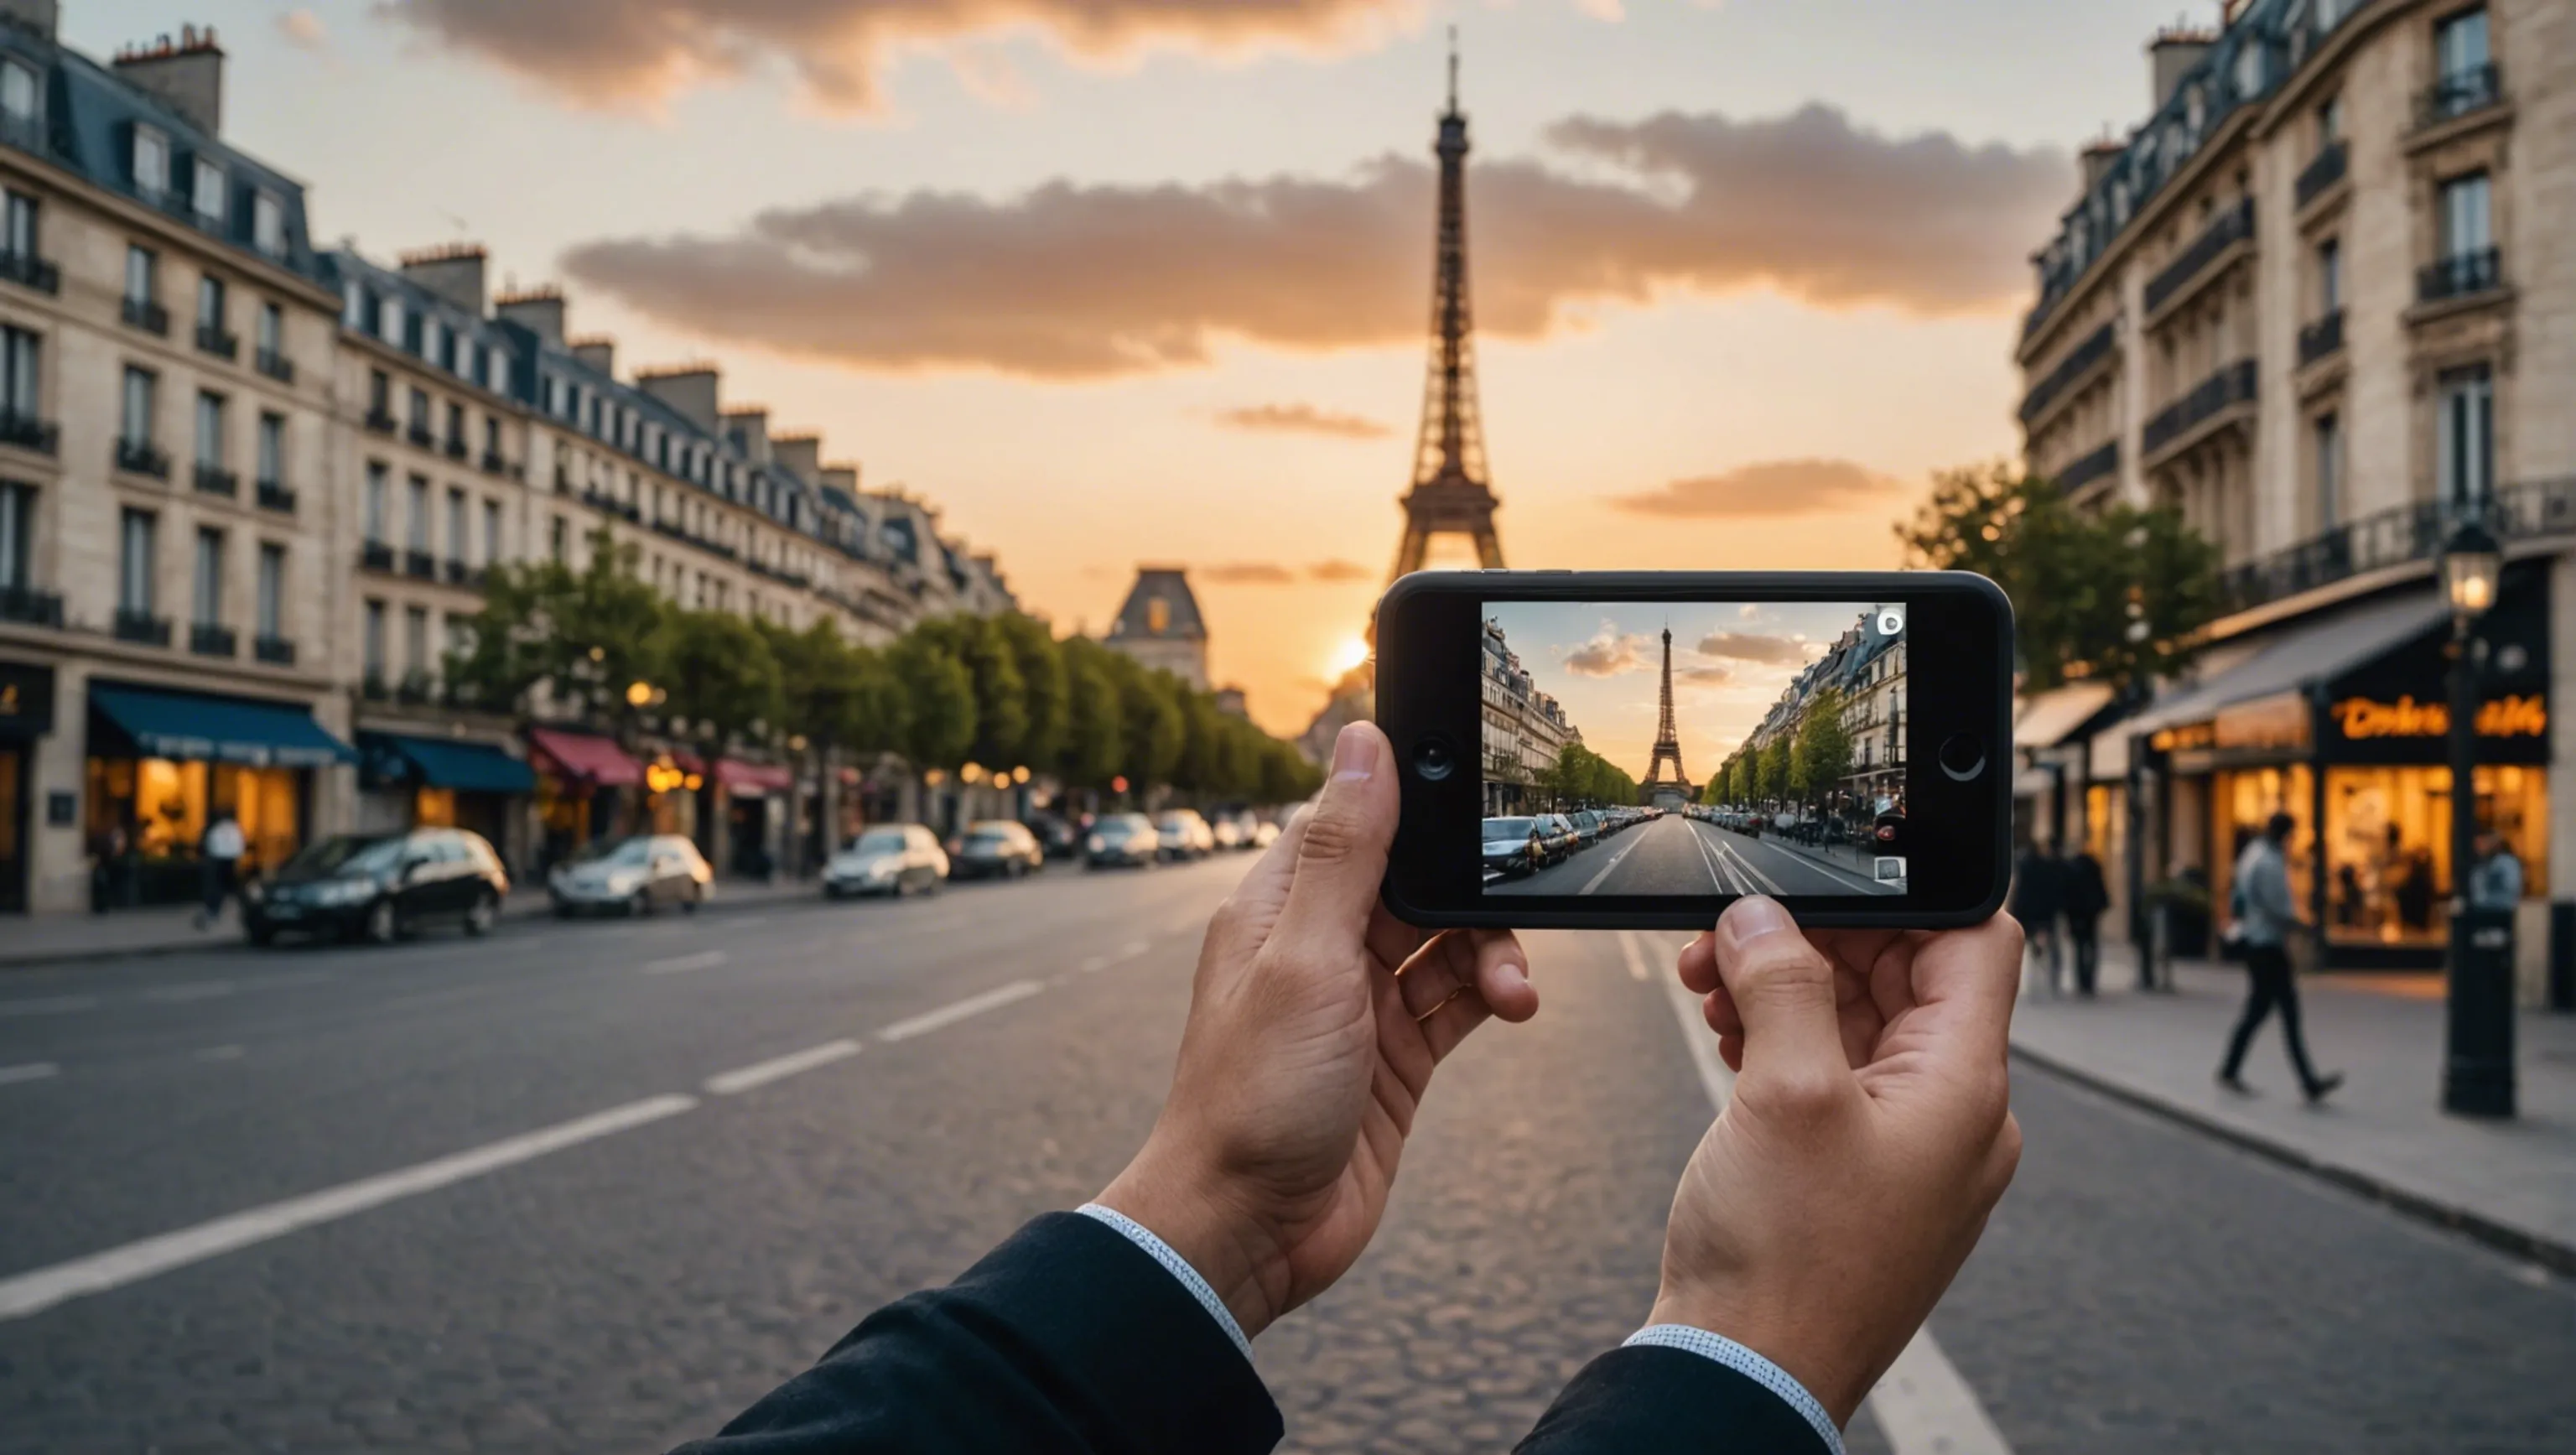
[
  {"x": 151, "y": 162},
  {"x": 17, "y": 93},
  {"x": 268, "y": 224},
  {"x": 210, "y": 192}
]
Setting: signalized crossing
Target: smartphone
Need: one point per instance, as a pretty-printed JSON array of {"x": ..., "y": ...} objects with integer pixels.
[{"x": 1559, "y": 734}]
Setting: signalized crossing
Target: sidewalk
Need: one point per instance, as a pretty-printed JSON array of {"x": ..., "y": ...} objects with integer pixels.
[
  {"x": 59, "y": 939},
  {"x": 2511, "y": 1184}
]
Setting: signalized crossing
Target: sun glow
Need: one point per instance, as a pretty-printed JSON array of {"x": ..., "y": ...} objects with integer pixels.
[{"x": 1349, "y": 654}]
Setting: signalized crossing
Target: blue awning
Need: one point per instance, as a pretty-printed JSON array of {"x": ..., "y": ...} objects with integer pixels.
[
  {"x": 194, "y": 727},
  {"x": 445, "y": 763}
]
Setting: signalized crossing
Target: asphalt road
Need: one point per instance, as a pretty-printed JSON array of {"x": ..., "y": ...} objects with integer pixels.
[
  {"x": 749, "y": 1129},
  {"x": 1680, "y": 855}
]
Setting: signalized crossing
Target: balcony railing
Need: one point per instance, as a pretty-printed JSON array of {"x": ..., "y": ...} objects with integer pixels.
[
  {"x": 457, "y": 449},
  {"x": 2234, "y": 225},
  {"x": 275, "y": 365},
  {"x": 2322, "y": 339},
  {"x": 416, "y": 689},
  {"x": 2458, "y": 94},
  {"x": 375, "y": 556},
  {"x": 423, "y": 436},
  {"x": 213, "y": 340},
  {"x": 206, "y": 639},
  {"x": 28, "y": 606},
  {"x": 147, "y": 315},
  {"x": 2323, "y": 171},
  {"x": 142, "y": 457},
  {"x": 29, "y": 271},
  {"x": 2096, "y": 347},
  {"x": 2407, "y": 535},
  {"x": 420, "y": 565},
  {"x": 216, "y": 480},
  {"x": 141, "y": 627},
  {"x": 2230, "y": 386},
  {"x": 273, "y": 496},
  {"x": 2461, "y": 275},
  {"x": 461, "y": 574},
  {"x": 372, "y": 686},
  {"x": 275, "y": 651},
  {"x": 381, "y": 422},
  {"x": 2101, "y": 464},
  {"x": 494, "y": 464},
  {"x": 27, "y": 432}
]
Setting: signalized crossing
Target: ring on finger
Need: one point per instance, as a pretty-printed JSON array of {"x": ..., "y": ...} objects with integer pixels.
[{"x": 1443, "y": 1005}]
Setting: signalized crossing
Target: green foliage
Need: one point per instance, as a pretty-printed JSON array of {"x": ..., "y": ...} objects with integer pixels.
[
  {"x": 1582, "y": 778},
  {"x": 939, "y": 700},
  {"x": 1046, "y": 689},
  {"x": 1095, "y": 737},
  {"x": 1771, "y": 770},
  {"x": 1001, "y": 693},
  {"x": 582, "y": 635},
  {"x": 1822, "y": 753},
  {"x": 717, "y": 675}
]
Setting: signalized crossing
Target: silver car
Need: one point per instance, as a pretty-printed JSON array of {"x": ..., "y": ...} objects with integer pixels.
[{"x": 890, "y": 859}]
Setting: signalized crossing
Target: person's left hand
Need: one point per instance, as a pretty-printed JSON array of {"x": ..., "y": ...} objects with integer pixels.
[{"x": 1315, "y": 1022}]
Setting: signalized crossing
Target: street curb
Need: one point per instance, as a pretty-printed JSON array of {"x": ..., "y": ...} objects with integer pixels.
[{"x": 2559, "y": 1258}]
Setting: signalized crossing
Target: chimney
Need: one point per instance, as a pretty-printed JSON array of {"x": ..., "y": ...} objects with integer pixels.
[
  {"x": 2170, "y": 57},
  {"x": 844, "y": 478},
  {"x": 453, "y": 271},
  {"x": 538, "y": 310},
  {"x": 39, "y": 16},
  {"x": 187, "y": 77},
  {"x": 2098, "y": 158},
  {"x": 801, "y": 454},
  {"x": 598, "y": 351},
  {"x": 688, "y": 388},
  {"x": 749, "y": 429}
]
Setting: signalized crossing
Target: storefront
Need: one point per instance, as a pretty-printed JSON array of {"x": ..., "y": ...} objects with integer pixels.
[
  {"x": 162, "y": 763},
  {"x": 587, "y": 787},
  {"x": 26, "y": 714},
  {"x": 449, "y": 783},
  {"x": 758, "y": 799}
]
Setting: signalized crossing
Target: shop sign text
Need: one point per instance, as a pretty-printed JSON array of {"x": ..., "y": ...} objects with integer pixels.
[{"x": 2363, "y": 718}]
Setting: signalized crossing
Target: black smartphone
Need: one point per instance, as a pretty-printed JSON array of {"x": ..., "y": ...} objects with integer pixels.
[{"x": 1640, "y": 749}]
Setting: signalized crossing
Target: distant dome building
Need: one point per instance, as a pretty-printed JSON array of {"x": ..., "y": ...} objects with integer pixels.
[{"x": 1161, "y": 626}]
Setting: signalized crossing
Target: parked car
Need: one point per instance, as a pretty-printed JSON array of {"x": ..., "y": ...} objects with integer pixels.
[
  {"x": 1228, "y": 831},
  {"x": 1185, "y": 834},
  {"x": 1060, "y": 839},
  {"x": 892, "y": 859},
  {"x": 1560, "y": 834},
  {"x": 1122, "y": 838},
  {"x": 1515, "y": 846},
  {"x": 1247, "y": 828},
  {"x": 1589, "y": 826},
  {"x": 997, "y": 848},
  {"x": 633, "y": 876},
  {"x": 1264, "y": 834},
  {"x": 379, "y": 887}
]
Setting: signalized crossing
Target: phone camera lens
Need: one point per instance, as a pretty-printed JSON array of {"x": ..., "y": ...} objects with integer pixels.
[{"x": 1433, "y": 759}]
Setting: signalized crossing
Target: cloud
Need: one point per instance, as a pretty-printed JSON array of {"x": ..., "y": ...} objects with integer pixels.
[
  {"x": 1711, "y": 674},
  {"x": 303, "y": 29},
  {"x": 1303, "y": 419},
  {"x": 1607, "y": 655},
  {"x": 638, "y": 53},
  {"x": 1339, "y": 571},
  {"x": 1751, "y": 647},
  {"x": 1073, "y": 281},
  {"x": 1770, "y": 490},
  {"x": 1249, "y": 573}
]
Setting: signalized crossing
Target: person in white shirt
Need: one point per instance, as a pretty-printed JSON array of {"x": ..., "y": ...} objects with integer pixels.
[{"x": 221, "y": 851}]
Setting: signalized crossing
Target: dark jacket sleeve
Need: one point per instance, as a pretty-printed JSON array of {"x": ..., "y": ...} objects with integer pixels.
[
  {"x": 1066, "y": 1340},
  {"x": 1651, "y": 1398}
]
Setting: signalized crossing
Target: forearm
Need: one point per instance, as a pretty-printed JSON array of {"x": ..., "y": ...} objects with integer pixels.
[{"x": 1645, "y": 1397}]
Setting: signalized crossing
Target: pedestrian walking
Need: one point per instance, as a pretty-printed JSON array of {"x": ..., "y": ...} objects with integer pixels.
[
  {"x": 219, "y": 852},
  {"x": 2038, "y": 897},
  {"x": 2265, "y": 917},
  {"x": 2087, "y": 896},
  {"x": 2495, "y": 882}
]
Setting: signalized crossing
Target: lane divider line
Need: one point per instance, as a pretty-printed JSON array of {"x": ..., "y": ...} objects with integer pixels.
[
  {"x": 1635, "y": 955},
  {"x": 779, "y": 1068},
  {"x": 683, "y": 964},
  {"x": 948, "y": 1015},
  {"x": 1720, "y": 880},
  {"x": 41, "y": 1289},
  {"x": 1606, "y": 868},
  {"x": 31, "y": 1071}
]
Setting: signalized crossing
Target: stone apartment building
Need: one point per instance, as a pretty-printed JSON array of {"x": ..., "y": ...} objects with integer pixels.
[
  {"x": 2320, "y": 301},
  {"x": 1526, "y": 729}
]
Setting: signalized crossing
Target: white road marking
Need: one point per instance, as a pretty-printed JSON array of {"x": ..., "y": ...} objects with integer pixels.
[
  {"x": 1921, "y": 1405},
  {"x": 949, "y": 1015},
  {"x": 779, "y": 1068},
  {"x": 1634, "y": 954},
  {"x": 683, "y": 964},
  {"x": 49, "y": 1005},
  {"x": 1691, "y": 826},
  {"x": 1744, "y": 866},
  {"x": 32, "y": 1071},
  {"x": 222, "y": 1053},
  {"x": 1606, "y": 868},
  {"x": 41, "y": 1289},
  {"x": 1126, "y": 952}
]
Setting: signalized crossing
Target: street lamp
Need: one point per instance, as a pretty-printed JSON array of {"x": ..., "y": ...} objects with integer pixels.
[
  {"x": 2477, "y": 1070},
  {"x": 639, "y": 694}
]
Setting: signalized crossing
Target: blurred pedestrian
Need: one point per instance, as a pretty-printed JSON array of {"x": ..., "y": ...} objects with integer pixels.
[
  {"x": 2038, "y": 897},
  {"x": 2266, "y": 916},
  {"x": 2495, "y": 882},
  {"x": 219, "y": 855},
  {"x": 2087, "y": 896}
]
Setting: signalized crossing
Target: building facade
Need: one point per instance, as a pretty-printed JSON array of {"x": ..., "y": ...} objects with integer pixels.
[
  {"x": 2319, "y": 302},
  {"x": 1526, "y": 730},
  {"x": 1160, "y": 625}
]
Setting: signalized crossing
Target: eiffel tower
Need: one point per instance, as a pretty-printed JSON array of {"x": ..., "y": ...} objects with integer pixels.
[
  {"x": 1450, "y": 496},
  {"x": 1659, "y": 791}
]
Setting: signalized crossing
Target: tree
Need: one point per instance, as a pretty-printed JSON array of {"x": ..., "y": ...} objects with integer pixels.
[
  {"x": 939, "y": 698},
  {"x": 583, "y": 636},
  {"x": 1823, "y": 752},
  {"x": 1775, "y": 768},
  {"x": 1046, "y": 689},
  {"x": 880, "y": 710},
  {"x": 1001, "y": 721},
  {"x": 1286, "y": 776},
  {"x": 719, "y": 679},
  {"x": 1149, "y": 713},
  {"x": 1094, "y": 739}
]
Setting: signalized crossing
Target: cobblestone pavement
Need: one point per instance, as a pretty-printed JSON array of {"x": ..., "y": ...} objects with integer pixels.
[{"x": 2141, "y": 1289}]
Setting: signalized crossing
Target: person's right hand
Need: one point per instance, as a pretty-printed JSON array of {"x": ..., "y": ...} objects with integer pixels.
[{"x": 1868, "y": 1137}]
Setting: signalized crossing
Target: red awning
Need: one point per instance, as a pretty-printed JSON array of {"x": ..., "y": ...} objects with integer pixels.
[
  {"x": 579, "y": 755},
  {"x": 754, "y": 777},
  {"x": 686, "y": 761}
]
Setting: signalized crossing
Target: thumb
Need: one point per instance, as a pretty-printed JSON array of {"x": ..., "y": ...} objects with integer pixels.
[
  {"x": 1784, "y": 993},
  {"x": 1341, "y": 858}
]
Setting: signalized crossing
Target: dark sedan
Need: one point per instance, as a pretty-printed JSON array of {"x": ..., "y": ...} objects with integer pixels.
[
  {"x": 996, "y": 849},
  {"x": 380, "y": 887},
  {"x": 1121, "y": 839}
]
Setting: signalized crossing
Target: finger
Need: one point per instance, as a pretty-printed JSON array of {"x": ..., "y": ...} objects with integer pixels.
[
  {"x": 1718, "y": 1008},
  {"x": 1730, "y": 1049},
  {"x": 1246, "y": 917},
  {"x": 1496, "y": 985},
  {"x": 1341, "y": 860},
  {"x": 1784, "y": 992},
  {"x": 1457, "y": 963},
  {"x": 1699, "y": 964},
  {"x": 1391, "y": 942},
  {"x": 1966, "y": 981}
]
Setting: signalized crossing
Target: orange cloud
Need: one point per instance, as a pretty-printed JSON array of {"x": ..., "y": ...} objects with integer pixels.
[
  {"x": 1249, "y": 573},
  {"x": 1073, "y": 281},
  {"x": 1772, "y": 489},
  {"x": 1748, "y": 647},
  {"x": 1339, "y": 571},
  {"x": 1303, "y": 419},
  {"x": 619, "y": 53},
  {"x": 1607, "y": 655}
]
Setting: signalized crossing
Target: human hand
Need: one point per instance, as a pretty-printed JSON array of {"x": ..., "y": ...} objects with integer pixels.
[
  {"x": 1315, "y": 1021},
  {"x": 1868, "y": 1137}
]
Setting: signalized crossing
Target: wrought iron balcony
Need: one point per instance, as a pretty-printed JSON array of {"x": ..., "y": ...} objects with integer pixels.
[
  {"x": 213, "y": 340},
  {"x": 147, "y": 315},
  {"x": 27, "y": 606},
  {"x": 2101, "y": 464},
  {"x": 207, "y": 639},
  {"x": 494, "y": 464},
  {"x": 27, "y": 432},
  {"x": 2096, "y": 347},
  {"x": 2458, "y": 94},
  {"x": 375, "y": 556},
  {"x": 275, "y": 365},
  {"x": 420, "y": 565},
  {"x": 380, "y": 421},
  {"x": 2323, "y": 171},
  {"x": 29, "y": 271},
  {"x": 457, "y": 449},
  {"x": 2461, "y": 275},
  {"x": 275, "y": 651},
  {"x": 216, "y": 480},
  {"x": 2230, "y": 386},
  {"x": 2230, "y": 227},
  {"x": 273, "y": 496},
  {"x": 2408, "y": 535},
  {"x": 2322, "y": 339},
  {"x": 417, "y": 689},
  {"x": 461, "y": 574},
  {"x": 372, "y": 686},
  {"x": 142, "y": 628},
  {"x": 142, "y": 457},
  {"x": 423, "y": 436}
]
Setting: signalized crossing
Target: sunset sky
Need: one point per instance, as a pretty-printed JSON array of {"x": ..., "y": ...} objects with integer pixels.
[{"x": 1122, "y": 281}]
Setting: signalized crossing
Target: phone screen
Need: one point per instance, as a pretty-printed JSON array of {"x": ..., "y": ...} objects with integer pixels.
[{"x": 1653, "y": 749}]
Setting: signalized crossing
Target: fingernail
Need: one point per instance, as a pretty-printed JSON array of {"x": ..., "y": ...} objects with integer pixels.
[
  {"x": 1354, "y": 756},
  {"x": 1514, "y": 970},
  {"x": 1748, "y": 920}
]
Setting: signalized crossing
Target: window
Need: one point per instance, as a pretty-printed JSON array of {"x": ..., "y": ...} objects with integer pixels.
[
  {"x": 21, "y": 377},
  {"x": 2464, "y": 438},
  {"x": 210, "y": 577},
  {"x": 210, "y": 301},
  {"x": 17, "y": 524},
  {"x": 354, "y": 313},
  {"x": 375, "y": 502},
  {"x": 420, "y": 411},
  {"x": 136, "y": 420},
  {"x": 389, "y": 319},
  {"x": 2467, "y": 223},
  {"x": 210, "y": 191},
  {"x": 210, "y": 430},
  {"x": 2329, "y": 122},
  {"x": 416, "y": 639},
  {"x": 272, "y": 590},
  {"x": 17, "y": 93},
  {"x": 2460, "y": 44},
  {"x": 2329, "y": 276},
  {"x": 491, "y": 532},
  {"x": 380, "y": 395},
  {"x": 272, "y": 448},
  {"x": 492, "y": 436},
  {"x": 142, "y": 274},
  {"x": 2329, "y": 449},
  {"x": 268, "y": 224},
  {"x": 430, "y": 338},
  {"x": 372, "y": 643},
  {"x": 456, "y": 540},
  {"x": 456, "y": 424},
  {"x": 23, "y": 214},
  {"x": 416, "y": 514},
  {"x": 137, "y": 557},
  {"x": 500, "y": 380},
  {"x": 272, "y": 331},
  {"x": 151, "y": 162}
]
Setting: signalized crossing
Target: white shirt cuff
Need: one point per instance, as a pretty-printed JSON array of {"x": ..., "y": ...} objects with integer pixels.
[
  {"x": 1747, "y": 1363},
  {"x": 1179, "y": 1267}
]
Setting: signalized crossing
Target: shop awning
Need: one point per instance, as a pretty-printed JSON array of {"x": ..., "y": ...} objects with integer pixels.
[
  {"x": 754, "y": 777},
  {"x": 463, "y": 767},
  {"x": 2046, "y": 720},
  {"x": 195, "y": 727},
  {"x": 2305, "y": 654},
  {"x": 582, "y": 756}
]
